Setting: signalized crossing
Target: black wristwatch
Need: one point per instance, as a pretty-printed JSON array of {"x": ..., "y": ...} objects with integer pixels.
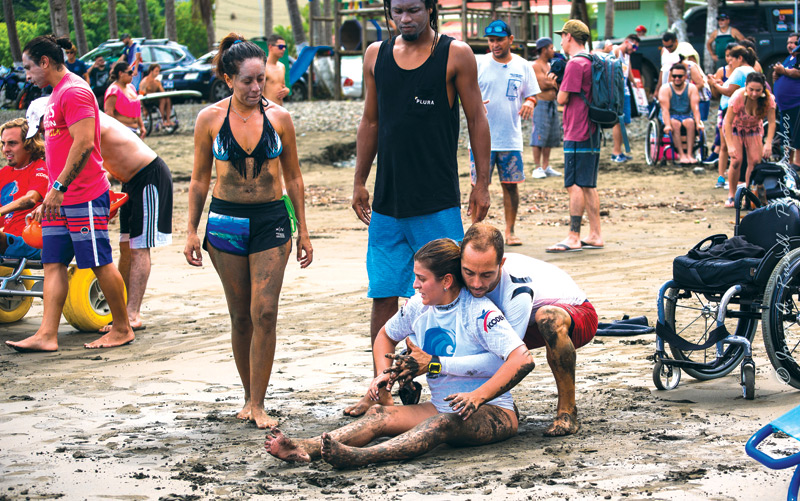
[
  {"x": 434, "y": 367},
  {"x": 59, "y": 187}
]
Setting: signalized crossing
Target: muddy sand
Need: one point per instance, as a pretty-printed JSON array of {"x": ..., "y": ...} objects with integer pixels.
[{"x": 155, "y": 420}]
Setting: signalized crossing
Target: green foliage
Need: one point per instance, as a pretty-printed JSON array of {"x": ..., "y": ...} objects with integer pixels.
[
  {"x": 286, "y": 33},
  {"x": 191, "y": 31},
  {"x": 25, "y": 30}
]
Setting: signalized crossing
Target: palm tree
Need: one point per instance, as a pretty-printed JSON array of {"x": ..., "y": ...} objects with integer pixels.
[
  {"x": 711, "y": 25},
  {"x": 327, "y": 6},
  {"x": 609, "y": 19},
  {"x": 579, "y": 11},
  {"x": 170, "y": 25},
  {"x": 144, "y": 19},
  {"x": 113, "y": 30},
  {"x": 204, "y": 8},
  {"x": 80, "y": 32},
  {"x": 58, "y": 17},
  {"x": 11, "y": 24},
  {"x": 315, "y": 31},
  {"x": 267, "y": 18},
  {"x": 296, "y": 21}
]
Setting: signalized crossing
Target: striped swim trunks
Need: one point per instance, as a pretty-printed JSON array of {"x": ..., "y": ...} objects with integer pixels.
[{"x": 81, "y": 232}]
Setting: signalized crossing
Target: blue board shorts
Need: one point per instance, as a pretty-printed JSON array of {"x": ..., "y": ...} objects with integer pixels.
[
  {"x": 244, "y": 229},
  {"x": 393, "y": 242},
  {"x": 80, "y": 232},
  {"x": 510, "y": 168},
  {"x": 582, "y": 161},
  {"x": 16, "y": 247}
]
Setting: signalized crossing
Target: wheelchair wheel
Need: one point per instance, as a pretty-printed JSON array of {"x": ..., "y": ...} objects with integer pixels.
[
  {"x": 693, "y": 316},
  {"x": 147, "y": 119},
  {"x": 13, "y": 308},
  {"x": 86, "y": 307},
  {"x": 173, "y": 117},
  {"x": 700, "y": 152},
  {"x": 748, "y": 380},
  {"x": 666, "y": 377},
  {"x": 652, "y": 148},
  {"x": 781, "y": 318}
]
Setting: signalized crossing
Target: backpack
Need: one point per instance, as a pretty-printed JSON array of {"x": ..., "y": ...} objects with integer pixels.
[{"x": 607, "y": 107}]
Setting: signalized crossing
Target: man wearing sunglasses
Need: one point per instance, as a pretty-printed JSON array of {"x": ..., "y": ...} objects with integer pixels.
[
  {"x": 680, "y": 106},
  {"x": 275, "y": 86},
  {"x": 623, "y": 52}
]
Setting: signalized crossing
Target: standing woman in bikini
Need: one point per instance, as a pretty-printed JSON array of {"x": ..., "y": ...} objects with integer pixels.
[{"x": 249, "y": 230}]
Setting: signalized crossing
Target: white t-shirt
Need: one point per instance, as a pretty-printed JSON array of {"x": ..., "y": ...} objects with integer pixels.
[
  {"x": 506, "y": 86},
  {"x": 467, "y": 326}
]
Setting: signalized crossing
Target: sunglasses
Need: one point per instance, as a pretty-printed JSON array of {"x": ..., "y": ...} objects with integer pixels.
[
  {"x": 634, "y": 46},
  {"x": 682, "y": 75},
  {"x": 70, "y": 52},
  {"x": 495, "y": 29},
  {"x": 129, "y": 72},
  {"x": 281, "y": 46}
]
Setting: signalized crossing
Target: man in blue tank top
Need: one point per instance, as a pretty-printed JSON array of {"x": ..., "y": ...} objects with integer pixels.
[
  {"x": 680, "y": 107},
  {"x": 413, "y": 85}
]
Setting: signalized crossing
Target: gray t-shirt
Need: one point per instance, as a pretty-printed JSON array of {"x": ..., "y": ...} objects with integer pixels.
[{"x": 506, "y": 86}]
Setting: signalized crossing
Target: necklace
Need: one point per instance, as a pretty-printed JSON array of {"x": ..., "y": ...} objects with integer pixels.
[{"x": 243, "y": 118}]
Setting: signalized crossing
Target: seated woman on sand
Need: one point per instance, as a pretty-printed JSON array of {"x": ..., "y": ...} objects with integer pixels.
[{"x": 445, "y": 320}]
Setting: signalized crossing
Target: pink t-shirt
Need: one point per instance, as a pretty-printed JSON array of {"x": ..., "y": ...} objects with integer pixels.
[
  {"x": 742, "y": 122},
  {"x": 72, "y": 101},
  {"x": 577, "y": 76},
  {"x": 124, "y": 105}
]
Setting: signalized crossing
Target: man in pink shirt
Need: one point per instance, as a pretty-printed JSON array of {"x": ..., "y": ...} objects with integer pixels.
[
  {"x": 581, "y": 141},
  {"x": 74, "y": 212}
]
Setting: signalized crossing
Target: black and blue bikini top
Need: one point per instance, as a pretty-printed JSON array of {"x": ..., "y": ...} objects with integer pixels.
[{"x": 227, "y": 149}]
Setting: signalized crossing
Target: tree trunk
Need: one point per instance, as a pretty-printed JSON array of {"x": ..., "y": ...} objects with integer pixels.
[
  {"x": 711, "y": 25},
  {"x": 609, "y": 20},
  {"x": 11, "y": 24},
  {"x": 267, "y": 18},
  {"x": 80, "y": 32},
  {"x": 579, "y": 11},
  {"x": 327, "y": 6},
  {"x": 315, "y": 33},
  {"x": 59, "y": 18},
  {"x": 113, "y": 30},
  {"x": 144, "y": 19},
  {"x": 170, "y": 24},
  {"x": 297, "y": 22}
]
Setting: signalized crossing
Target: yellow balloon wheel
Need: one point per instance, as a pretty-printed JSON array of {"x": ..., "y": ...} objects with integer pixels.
[
  {"x": 86, "y": 307},
  {"x": 13, "y": 308}
]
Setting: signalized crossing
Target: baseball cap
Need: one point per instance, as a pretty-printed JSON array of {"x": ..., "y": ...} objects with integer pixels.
[
  {"x": 575, "y": 27},
  {"x": 497, "y": 28},
  {"x": 722, "y": 15},
  {"x": 641, "y": 28},
  {"x": 34, "y": 115},
  {"x": 124, "y": 36},
  {"x": 543, "y": 42}
]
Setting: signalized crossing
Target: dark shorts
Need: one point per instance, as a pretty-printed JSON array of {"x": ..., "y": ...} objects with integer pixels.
[
  {"x": 546, "y": 130},
  {"x": 244, "y": 229},
  {"x": 790, "y": 117},
  {"x": 582, "y": 330},
  {"x": 581, "y": 161},
  {"x": 146, "y": 219},
  {"x": 81, "y": 232}
]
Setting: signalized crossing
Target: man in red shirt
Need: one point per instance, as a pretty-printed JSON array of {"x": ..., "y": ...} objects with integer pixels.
[
  {"x": 23, "y": 185},
  {"x": 75, "y": 210}
]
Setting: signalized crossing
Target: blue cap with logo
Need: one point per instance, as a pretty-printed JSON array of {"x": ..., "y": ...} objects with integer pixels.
[{"x": 497, "y": 28}]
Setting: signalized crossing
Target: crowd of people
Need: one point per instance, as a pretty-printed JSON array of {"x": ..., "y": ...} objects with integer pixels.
[{"x": 475, "y": 312}]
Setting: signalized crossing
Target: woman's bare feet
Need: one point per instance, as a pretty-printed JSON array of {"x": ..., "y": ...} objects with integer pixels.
[
  {"x": 245, "y": 413},
  {"x": 35, "y": 343},
  {"x": 340, "y": 456},
  {"x": 280, "y": 446},
  {"x": 564, "y": 424},
  {"x": 360, "y": 407},
  {"x": 261, "y": 418}
]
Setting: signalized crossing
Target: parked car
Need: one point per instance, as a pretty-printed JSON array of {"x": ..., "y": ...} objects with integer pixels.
[
  {"x": 199, "y": 76},
  {"x": 352, "y": 71},
  {"x": 769, "y": 23},
  {"x": 166, "y": 53}
]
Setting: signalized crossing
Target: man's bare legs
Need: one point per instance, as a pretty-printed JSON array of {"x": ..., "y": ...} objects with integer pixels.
[
  {"x": 580, "y": 200},
  {"x": 510, "y": 208},
  {"x": 417, "y": 429},
  {"x": 134, "y": 266},
  {"x": 54, "y": 295},
  {"x": 165, "y": 106},
  {"x": 113, "y": 287},
  {"x": 383, "y": 309},
  {"x": 554, "y": 323},
  {"x": 616, "y": 134},
  {"x": 690, "y": 135}
]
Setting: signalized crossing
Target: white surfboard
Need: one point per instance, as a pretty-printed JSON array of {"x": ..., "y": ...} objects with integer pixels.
[{"x": 171, "y": 93}]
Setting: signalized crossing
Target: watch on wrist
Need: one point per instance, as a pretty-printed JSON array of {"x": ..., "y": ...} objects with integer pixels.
[
  {"x": 59, "y": 187},
  {"x": 434, "y": 366}
]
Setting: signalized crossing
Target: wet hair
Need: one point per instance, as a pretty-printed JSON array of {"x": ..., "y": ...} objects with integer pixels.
[
  {"x": 746, "y": 53},
  {"x": 482, "y": 237},
  {"x": 151, "y": 68},
  {"x": 50, "y": 46},
  {"x": 668, "y": 35},
  {"x": 34, "y": 146},
  {"x": 441, "y": 257},
  {"x": 119, "y": 67},
  {"x": 634, "y": 37},
  {"x": 233, "y": 49},
  {"x": 433, "y": 21},
  {"x": 759, "y": 78},
  {"x": 273, "y": 39}
]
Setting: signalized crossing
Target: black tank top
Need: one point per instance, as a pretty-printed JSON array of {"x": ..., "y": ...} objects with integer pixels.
[{"x": 417, "y": 136}]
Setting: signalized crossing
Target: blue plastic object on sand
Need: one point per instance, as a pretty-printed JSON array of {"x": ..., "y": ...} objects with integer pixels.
[{"x": 789, "y": 424}]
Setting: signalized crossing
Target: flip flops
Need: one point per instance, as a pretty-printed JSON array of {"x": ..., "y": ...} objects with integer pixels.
[
  {"x": 562, "y": 247},
  {"x": 587, "y": 245}
]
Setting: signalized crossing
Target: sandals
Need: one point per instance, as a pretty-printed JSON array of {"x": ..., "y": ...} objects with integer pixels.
[{"x": 729, "y": 203}]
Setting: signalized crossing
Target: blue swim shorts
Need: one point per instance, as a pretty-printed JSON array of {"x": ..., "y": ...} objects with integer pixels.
[
  {"x": 80, "y": 232},
  {"x": 393, "y": 242},
  {"x": 16, "y": 247},
  {"x": 510, "y": 167},
  {"x": 581, "y": 161}
]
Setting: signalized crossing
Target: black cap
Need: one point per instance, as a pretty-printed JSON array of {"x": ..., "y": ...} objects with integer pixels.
[{"x": 723, "y": 15}]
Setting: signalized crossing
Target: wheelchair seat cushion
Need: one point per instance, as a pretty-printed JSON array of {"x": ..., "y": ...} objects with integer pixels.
[
  {"x": 771, "y": 224},
  {"x": 724, "y": 263}
]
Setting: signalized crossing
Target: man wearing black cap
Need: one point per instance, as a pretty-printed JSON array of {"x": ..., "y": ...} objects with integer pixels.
[
  {"x": 720, "y": 38},
  {"x": 546, "y": 130},
  {"x": 508, "y": 86},
  {"x": 133, "y": 56},
  {"x": 581, "y": 141}
]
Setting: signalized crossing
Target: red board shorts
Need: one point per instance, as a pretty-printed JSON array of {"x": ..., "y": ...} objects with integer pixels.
[{"x": 582, "y": 330}]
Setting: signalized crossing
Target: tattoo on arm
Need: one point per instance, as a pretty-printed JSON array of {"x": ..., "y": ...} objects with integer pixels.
[
  {"x": 575, "y": 223},
  {"x": 78, "y": 166},
  {"x": 523, "y": 371}
]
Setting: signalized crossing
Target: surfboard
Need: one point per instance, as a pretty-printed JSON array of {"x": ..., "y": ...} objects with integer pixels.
[{"x": 172, "y": 93}]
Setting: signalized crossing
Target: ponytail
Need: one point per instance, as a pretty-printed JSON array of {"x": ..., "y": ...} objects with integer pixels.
[{"x": 233, "y": 49}]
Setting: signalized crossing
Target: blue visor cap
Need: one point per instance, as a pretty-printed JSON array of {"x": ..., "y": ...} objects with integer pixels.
[{"x": 497, "y": 28}]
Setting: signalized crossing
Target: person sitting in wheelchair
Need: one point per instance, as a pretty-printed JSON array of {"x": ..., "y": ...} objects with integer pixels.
[{"x": 680, "y": 110}]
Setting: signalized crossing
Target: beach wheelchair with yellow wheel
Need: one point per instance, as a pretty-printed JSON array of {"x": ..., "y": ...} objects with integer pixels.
[
  {"x": 21, "y": 280},
  {"x": 722, "y": 288},
  {"x": 659, "y": 145}
]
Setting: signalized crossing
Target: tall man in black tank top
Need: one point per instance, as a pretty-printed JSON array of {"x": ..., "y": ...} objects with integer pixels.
[{"x": 413, "y": 86}]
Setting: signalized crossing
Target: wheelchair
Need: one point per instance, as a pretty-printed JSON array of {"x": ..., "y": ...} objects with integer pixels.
[
  {"x": 709, "y": 298},
  {"x": 21, "y": 280},
  {"x": 659, "y": 148}
]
